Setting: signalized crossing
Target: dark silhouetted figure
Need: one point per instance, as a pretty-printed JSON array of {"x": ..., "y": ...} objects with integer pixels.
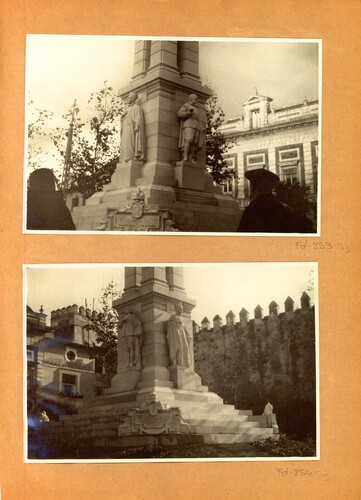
[
  {"x": 46, "y": 208},
  {"x": 265, "y": 214}
]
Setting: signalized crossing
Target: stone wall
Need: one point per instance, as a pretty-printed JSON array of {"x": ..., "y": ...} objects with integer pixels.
[{"x": 266, "y": 358}]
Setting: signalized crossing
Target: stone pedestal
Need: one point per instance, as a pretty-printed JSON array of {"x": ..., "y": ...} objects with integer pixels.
[
  {"x": 125, "y": 175},
  {"x": 190, "y": 175},
  {"x": 125, "y": 380},
  {"x": 156, "y": 173},
  {"x": 184, "y": 378}
]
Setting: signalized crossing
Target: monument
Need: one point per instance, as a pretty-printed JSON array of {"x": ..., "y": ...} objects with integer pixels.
[
  {"x": 163, "y": 148},
  {"x": 156, "y": 397}
]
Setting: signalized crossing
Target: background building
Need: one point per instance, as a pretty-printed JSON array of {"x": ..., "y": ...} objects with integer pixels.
[
  {"x": 60, "y": 370},
  {"x": 285, "y": 140}
]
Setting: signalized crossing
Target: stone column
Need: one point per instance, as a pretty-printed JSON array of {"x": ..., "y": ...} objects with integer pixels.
[
  {"x": 153, "y": 301},
  {"x": 163, "y": 54},
  {"x": 132, "y": 278},
  {"x": 141, "y": 58},
  {"x": 163, "y": 86},
  {"x": 188, "y": 59},
  {"x": 175, "y": 279}
]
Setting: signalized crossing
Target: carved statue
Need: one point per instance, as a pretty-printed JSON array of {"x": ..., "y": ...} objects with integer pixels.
[
  {"x": 191, "y": 129},
  {"x": 130, "y": 329},
  {"x": 268, "y": 411},
  {"x": 179, "y": 340},
  {"x": 132, "y": 131}
]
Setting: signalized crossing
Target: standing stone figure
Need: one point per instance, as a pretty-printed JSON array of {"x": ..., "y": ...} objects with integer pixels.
[
  {"x": 191, "y": 129},
  {"x": 268, "y": 410},
  {"x": 130, "y": 329},
  {"x": 179, "y": 340},
  {"x": 132, "y": 131}
]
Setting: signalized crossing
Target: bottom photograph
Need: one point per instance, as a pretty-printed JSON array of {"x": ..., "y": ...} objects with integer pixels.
[{"x": 188, "y": 362}]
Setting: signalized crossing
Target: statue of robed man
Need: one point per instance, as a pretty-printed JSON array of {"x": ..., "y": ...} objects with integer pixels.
[{"x": 132, "y": 131}]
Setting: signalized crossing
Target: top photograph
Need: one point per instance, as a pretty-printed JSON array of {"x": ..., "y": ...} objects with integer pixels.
[{"x": 177, "y": 135}]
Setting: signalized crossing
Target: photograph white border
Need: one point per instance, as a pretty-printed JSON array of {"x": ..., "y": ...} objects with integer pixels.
[
  {"x": 25, "y": 267},
  {"x": 180, "y": 233}
]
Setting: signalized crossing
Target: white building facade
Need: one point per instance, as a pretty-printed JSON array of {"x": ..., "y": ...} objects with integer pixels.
[{"x": 284, "y": 140}]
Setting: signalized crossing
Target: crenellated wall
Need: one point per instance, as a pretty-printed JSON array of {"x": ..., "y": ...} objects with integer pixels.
[
  {"x": 70, "y": 322},
  {"x": 250, "y": 361}
]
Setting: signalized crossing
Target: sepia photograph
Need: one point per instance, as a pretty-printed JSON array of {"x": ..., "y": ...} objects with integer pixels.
[
  {"x": 180, "y": 247},
  {"x": 171, "y": 363},
  {"x": 205, "y": 136}
]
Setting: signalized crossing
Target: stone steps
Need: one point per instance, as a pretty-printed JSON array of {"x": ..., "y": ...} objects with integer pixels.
[
  {"x": 249, "y": 436},
  {"x": 206, "y": 408},
  {"x": 213, "y": 416},
  {"x": 224, "y": 429},
  {"x": 231, "y": 434},
  {"x": 217, "y": 428},
  {"x": 210, "y": 421},
  {"x": 200, "y": 422}
]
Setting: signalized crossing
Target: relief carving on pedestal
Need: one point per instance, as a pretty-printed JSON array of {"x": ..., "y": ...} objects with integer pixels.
[{"x": 153, "y": 418}]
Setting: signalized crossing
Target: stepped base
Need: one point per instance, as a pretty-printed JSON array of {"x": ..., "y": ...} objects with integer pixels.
[
  {"x": 117, "y": 421},
  {"x": 190, "y": 210}
]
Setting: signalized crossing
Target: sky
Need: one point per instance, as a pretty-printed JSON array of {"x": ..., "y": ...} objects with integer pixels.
[
  {"x": 62, "y": 68},
  {"x": 217, "y": 288}
]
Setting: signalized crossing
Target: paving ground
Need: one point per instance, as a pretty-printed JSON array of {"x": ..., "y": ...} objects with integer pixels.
[
  {"x": 243, "y": 450},
  {"x": 285, "y": 447},
  {"x": 196, "y": 451}
]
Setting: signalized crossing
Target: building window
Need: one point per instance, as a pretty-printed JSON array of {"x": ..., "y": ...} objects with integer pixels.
[
  {"x": 69, "y": 383},
  {"x": 75, "y": 201},
  {"x": 289, "y": 164},
  {"x": 229, "y": 186},
  {"x": 255, "y": 118},
  {"x": 253, "y": 160},
  {"x": 98, "y": 366},
  {"x": 290, "y": 175},
  {"x": 289, "y": 154},
  {"x": 30, "y": 355},
  {"x": 70, "y": 355}
]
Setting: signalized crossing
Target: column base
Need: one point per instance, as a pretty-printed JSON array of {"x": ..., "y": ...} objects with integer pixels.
[
  {"x": 125, "y": 175},
  {"x": 125, "y": 380},
  {"x": 184, "y": 378},
  {"x": 190, "y": 175}
]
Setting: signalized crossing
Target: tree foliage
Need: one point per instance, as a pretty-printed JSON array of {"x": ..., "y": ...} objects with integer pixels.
[
  {"x": 104, "y": 325},
  {"x": 37, "y": 125},
  {"x": 298, "y": 198},
  {"x": 294, "y": 195},
  {"x": 96, "y": 142},
  {"x": 216, "y": 146}
]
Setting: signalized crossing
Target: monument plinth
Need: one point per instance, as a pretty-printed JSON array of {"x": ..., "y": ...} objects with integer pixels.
[
  {"x": 163, "y": 145},
  {"x": 125, "y": 175},
  {"x": 156, "y": 397}
]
